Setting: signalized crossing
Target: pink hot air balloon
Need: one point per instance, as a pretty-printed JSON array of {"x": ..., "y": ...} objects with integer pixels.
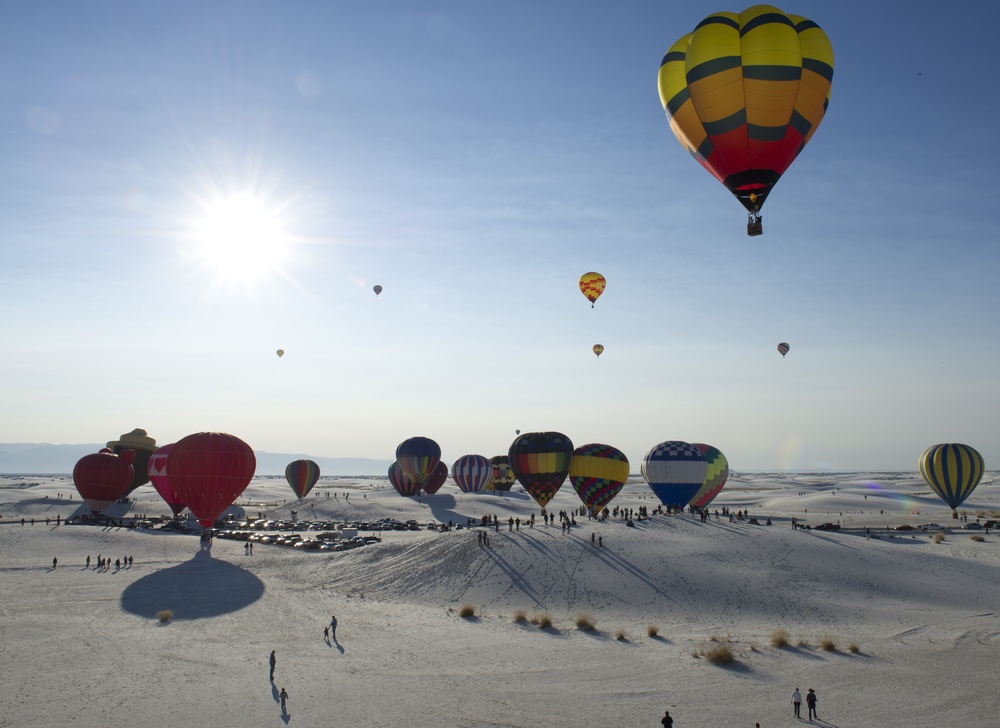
[
  {"x": 157, "y": 469},
  {"x": 103, "y": 477},
  {"x": 209, "y": 470}
]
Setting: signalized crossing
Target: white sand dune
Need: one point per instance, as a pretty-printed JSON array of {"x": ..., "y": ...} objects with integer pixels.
[{"x": 83, "y": 648}]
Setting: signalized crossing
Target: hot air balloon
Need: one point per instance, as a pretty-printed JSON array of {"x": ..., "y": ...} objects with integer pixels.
[
  {"x": 209, "y": 470},
  {"x": 302, "y": 476},
  {"x": 103, "y": 477},
  {"x": 952, "y": 471},
  {"x": 472, "y": 473},
  {"x": 143, "y": 447},
  {"x": 598, "y": 350},
  {"x": 403, "y": 485},
  {"x": 377, "y": 289},
  {"x": 783, "y": 349},
  {"x": 503, "y": 475},
  {"x": 675, "y": 471},
  {"x": 280, "y": 353},
  {"x": 158, "y": 475},
  {"x": 597, "y": 473},
  {"x": 436, "y": 479},
  {"x": 540, "y": 460},
  {"x": 418, "y": 456},
  {"x": 592, "y": 286},
  {"x": 744, "y": 93},
  {"x": 716, "y": 475},
  {"x": 517, "y": 432}
]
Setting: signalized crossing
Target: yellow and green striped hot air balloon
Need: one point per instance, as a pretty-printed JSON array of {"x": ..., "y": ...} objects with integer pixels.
[
  {"x": 952, "y": 471},
  {"x": 744, "y": 93},
  {"x": 597, "y": 473}
]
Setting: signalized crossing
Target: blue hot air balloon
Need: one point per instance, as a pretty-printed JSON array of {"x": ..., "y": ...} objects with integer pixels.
[{"x": 675, "y": 471}]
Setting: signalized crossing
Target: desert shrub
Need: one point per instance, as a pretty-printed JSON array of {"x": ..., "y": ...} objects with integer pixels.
[
  {"x": 854, "y": 647},
  {"x": 520, "y": 615},
  {"x": 585, "y": 622},
  {"x": 543, "y": 620},
  {"x": 720, "y": 653},
  {"x": 779, "y": 637},
  {"x": 621, "y": 635},
  {"x": 164, "y": 615},
  {"x": 802, "y": 643},
  {"x": 939, "y": 538},
  {"x": 828, "y": 643},
  {"x": 652, "y": 630},
  {"x": 979, "y": 539},
  {"x": 875, "y": 535},
  {"x": 467, "y": 610}
]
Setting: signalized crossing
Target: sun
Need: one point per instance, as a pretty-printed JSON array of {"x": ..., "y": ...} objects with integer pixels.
[{"x": 240, "y": 239}]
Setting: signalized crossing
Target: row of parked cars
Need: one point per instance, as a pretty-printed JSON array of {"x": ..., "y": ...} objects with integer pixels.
[{"x": 326, "y": 541}]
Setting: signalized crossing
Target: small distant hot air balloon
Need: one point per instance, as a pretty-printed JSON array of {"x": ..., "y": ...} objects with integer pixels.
[
  {"x": 157, "y": 469},
  {"x": 209, "y": 470},
  {"x": 302, "y": 476},
  {"x": 715, "y": 475},
  {"x": 103, "y": 477},
  {"x": 377, "y": 289},
  {"x": 592, "y": 286},
  {"x": 783, "y": 349},
  {"x": 597, "y": 473},
  {"x": 436, "y": 479},
  {"x": 472, "y": 473},
  {"x": 675, "y": 471},
  {"x": 403, "y": 485},
  {"x": 598, "y": 350},
  {"x": 280, "y": 353},
  {"x": 952, "y": 470},
  {"x": 418, "y": 456},
  {"x": 540, "y": 460},
  {"x": 517, "y": 432}
]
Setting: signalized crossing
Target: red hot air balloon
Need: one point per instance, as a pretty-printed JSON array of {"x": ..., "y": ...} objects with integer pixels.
[
  {"x": 302, "y": 476},
  {"x": 209, "y": 470},
  {"x": 436, "y": 479},
  {"x": 157, "y": 469},
  {"x": 418, "y": 456},
  {"x": 103, "y": 477},
  {"x": 403, "y": 485}
]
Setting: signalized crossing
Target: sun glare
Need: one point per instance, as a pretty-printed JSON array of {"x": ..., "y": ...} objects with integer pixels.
[{"x": 240, "y": 239}]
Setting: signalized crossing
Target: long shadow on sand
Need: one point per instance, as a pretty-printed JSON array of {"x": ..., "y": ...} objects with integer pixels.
[
  {"x": 443, "y": 505},
  {"x": 200, "y": 588}
]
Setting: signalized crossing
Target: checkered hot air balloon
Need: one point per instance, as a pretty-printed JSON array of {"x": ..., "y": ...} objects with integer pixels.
[
  {"x": 675, "y": 471},
  {"x": 472, "y": 473},
  {"x": 597, "y": 473},
  {"x": 592, "y": 286},
  {"x": 952, "y": 470},
  {"x": 744, "y": 93},
  {"x": 540, "y": 461},
  {"x": 715, "y": 475}
]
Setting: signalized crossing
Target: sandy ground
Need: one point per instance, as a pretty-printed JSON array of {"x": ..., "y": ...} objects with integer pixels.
[{"x": 83, "y": 647}]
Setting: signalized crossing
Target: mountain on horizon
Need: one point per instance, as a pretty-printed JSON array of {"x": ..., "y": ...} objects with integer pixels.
[{"x": 43, "y": 458}]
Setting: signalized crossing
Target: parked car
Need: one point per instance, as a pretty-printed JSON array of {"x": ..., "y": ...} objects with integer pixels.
[
  {"x": 828, "y": 527},
  {"x": 904, "y": 527}
]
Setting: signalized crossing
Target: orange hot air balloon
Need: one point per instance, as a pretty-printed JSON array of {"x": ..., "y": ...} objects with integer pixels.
[{"x": 592, "y": 286}]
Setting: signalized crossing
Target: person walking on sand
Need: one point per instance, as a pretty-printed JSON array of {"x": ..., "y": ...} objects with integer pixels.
[
  {"x": 273, "y": 661},
  {"x": 796, "y": 702},
  {"x": 811, "y": 702},
  {"x": 55, "y": 562},
  {"x": 284, "y": 696},
  {"x": 326, "y": 633},
  {"x": 666, "y": 721},
  {"x": 333, "y": 627}
]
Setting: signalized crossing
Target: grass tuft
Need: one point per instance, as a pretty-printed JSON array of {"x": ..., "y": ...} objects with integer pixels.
[
  {"x": 978, "y": 539},
  {"x": 543, "y": 620},
  {"x": 854, "y": 647},
  {"x": 720, "y": 653},
  {"x": 621, "y": 635},
  {"x": 779, "y": 637},
  {"x": 939, "y": 538},
  {"x": 467, "y": 610},
  {"x": 585, "y": 622},
  {"x": 164, "y": 615},
  {"x": 520, "y": 615},
  {"x": 652, "y": 630},
  {"x": 828, "y": 643}
]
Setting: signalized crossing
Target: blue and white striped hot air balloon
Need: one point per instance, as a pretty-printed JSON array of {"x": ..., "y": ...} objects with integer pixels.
[{"x": 675, "y": 471}]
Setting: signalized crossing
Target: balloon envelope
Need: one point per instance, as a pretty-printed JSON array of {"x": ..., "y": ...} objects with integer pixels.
[
  {"x": 675, "y": 471},
  {"x": 783, "y": 349},
  {"x": 157, "y": 468},
  {"x": 302, "y": 476},
  {"x": 472, "y": 473},
  {"x": 209, "y": 470},
  {"x": 540, "y": 460},
  {"x": 143, "y": 446},
  {"x": 952, "y": 471},
  {"x": 744, "y": 93},
  {"x": 377, "y": 289},
  {"x": 280, "y": 353},
  {"x": 597, "y": 473},
  {"x": 403, "y": 485},
  {"x": 716, "y": 475},
  {"x": 418, "y": 456},
  {"x": 503, "y": 474},
  {"x": 103, "y": 477},
  {"x": 436, "y": 479},
  {"x": 592, "y": 286},
  {"x": 598, "y": 350}
]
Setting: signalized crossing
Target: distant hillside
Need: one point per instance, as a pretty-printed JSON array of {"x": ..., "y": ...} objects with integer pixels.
[{"x": 43, "y": 457}]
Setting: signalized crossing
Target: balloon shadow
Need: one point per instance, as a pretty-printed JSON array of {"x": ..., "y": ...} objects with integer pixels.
[{"x": 198, "y": 589}]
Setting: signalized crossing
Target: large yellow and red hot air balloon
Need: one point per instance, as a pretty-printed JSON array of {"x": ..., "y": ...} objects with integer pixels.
[{"x": 744, "y": 93}]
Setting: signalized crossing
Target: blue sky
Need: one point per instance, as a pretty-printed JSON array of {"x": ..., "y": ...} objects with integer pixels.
[{"x": 475, "y": 159}]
